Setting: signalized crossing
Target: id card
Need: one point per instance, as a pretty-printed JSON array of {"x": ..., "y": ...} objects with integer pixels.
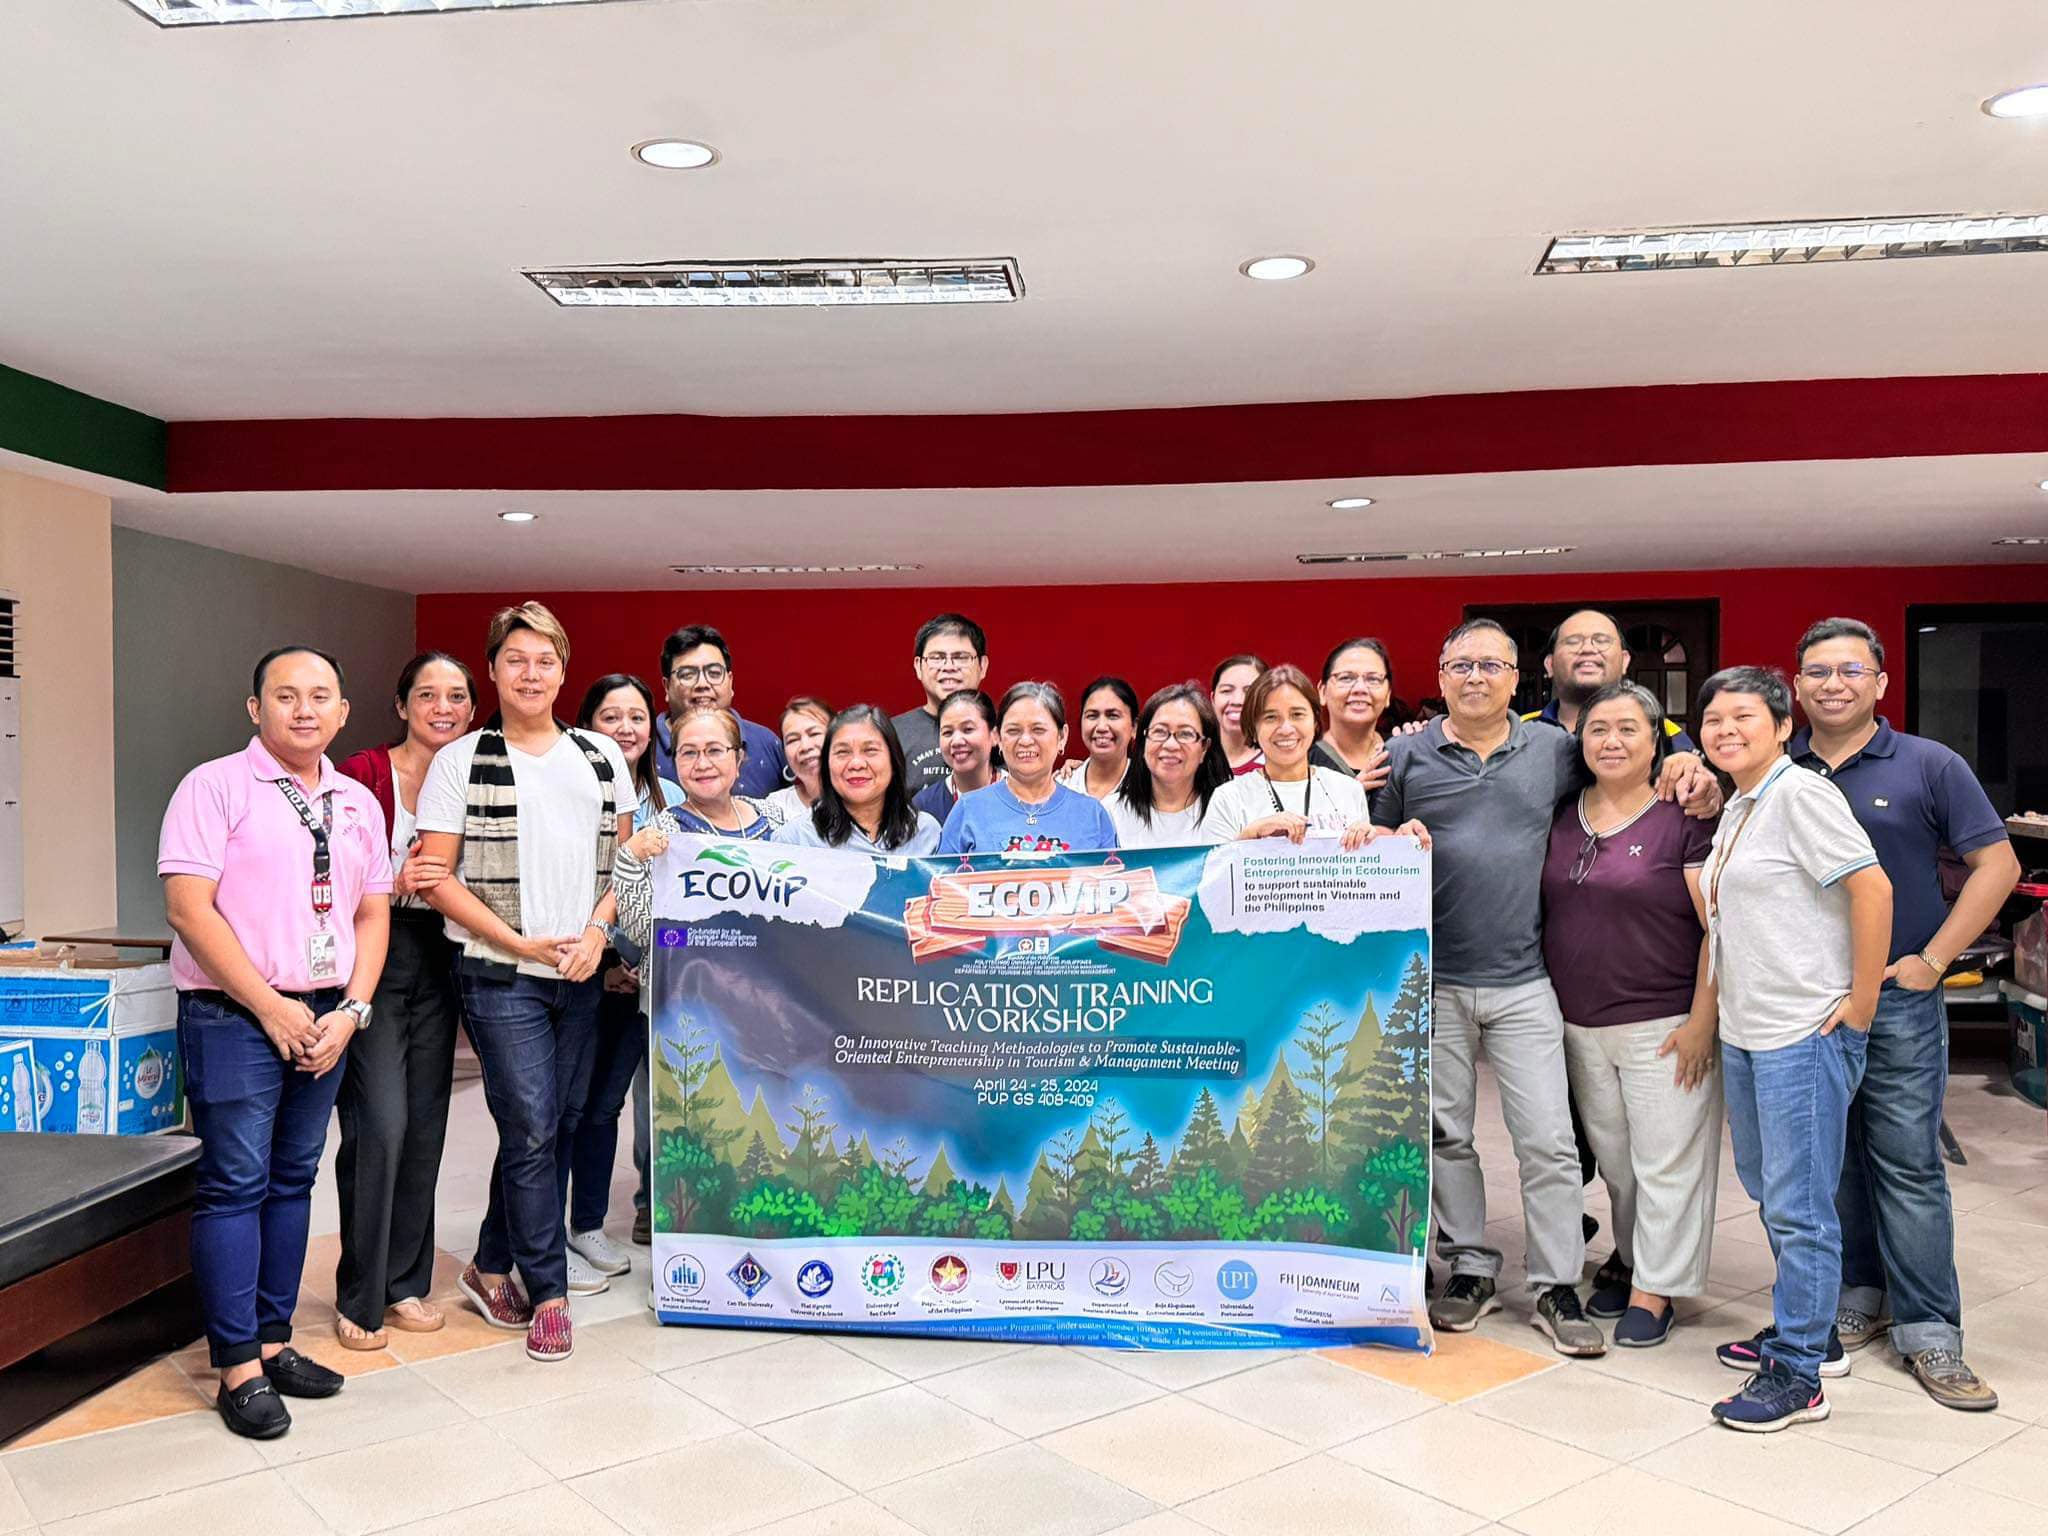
[{"x": 323, "y": 957}]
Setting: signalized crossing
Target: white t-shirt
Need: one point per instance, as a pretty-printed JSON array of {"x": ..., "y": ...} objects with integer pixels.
[
  {"x": 559, "y": 802},
  {"x": 402, "y": 823},
  {"x": 1075, "y": 777},
  {"x": 784, "y": 806},
  {"x": 1334, "y": 801},
  {"x": 1169, "y": 829}
]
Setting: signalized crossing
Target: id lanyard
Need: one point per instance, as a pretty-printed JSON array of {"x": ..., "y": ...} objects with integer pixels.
[
  {"x": 1308, "y": 793},
  {"x": 323, "y": 866}
]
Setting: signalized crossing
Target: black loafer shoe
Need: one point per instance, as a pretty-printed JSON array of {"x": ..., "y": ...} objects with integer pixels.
[
  {"x": 254, "y": 1409},
  {"x": 1639, "y": 1328},
  {"x": 295, "y": 1376}
]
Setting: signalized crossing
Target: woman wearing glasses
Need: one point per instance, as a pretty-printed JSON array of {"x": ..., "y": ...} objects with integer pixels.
[
  {"x": 862, "y": 802},
  {"x": 708, "y": 757},
  {"x": 1623, "y": 941},
  {"x": 1358, "y": 684},
  {"x": 1180, "y": 766},
  {"x": 1029, "y": 811}
]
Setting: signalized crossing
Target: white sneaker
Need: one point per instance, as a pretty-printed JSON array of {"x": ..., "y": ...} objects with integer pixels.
[
  {"x": 585, "y": 1281},
  {"x": 601, "y": 1253}
]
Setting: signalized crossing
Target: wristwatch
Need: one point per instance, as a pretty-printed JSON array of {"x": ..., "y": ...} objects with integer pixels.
[{"x": 357, "y": 1007}]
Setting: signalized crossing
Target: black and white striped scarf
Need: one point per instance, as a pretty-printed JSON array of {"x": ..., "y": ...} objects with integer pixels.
[{"x": 490, "y": 830}]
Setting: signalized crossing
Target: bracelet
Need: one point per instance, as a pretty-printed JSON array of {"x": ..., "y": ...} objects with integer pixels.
[{"x": 1931, "y": 963}]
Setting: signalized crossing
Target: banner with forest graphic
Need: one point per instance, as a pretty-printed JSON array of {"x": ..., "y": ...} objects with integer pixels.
[{"x": 1174, "y": 1097}]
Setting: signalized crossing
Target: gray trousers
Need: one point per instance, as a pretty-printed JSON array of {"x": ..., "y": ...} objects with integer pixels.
[
  {"x": 1523, "y": 1032},
  {"x": 1659, "y": 1148}
]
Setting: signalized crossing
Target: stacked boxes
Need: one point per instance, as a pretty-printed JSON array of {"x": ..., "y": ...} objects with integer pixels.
[{"x": 96, "y": 1046}]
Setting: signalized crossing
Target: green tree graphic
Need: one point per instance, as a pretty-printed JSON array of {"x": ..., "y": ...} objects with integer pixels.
[
  {"x": 1148, "y": 1173},
  {"x": 1283, "y": 1152},
  {"x": 811, "y": 1162},
  {"x": 1391, "y": 1106},
  {"x": 1394, "y": 1184},
  {"x": 1322, "y": 1083},
  {"x": 756, "y": 1165},
  {"x": 1201, "y": 1144}
]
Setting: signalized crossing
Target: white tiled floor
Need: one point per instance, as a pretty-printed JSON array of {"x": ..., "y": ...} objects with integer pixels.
[{"x": 684, "y": 1430}]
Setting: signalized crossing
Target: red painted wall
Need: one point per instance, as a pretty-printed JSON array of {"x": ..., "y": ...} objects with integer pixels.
[{"x": 850, "y": 644}]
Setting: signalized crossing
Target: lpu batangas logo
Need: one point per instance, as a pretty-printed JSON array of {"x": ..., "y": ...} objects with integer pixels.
[
  {"x": 1121, "y": 909},
  {"x": 736, "y": 876}
]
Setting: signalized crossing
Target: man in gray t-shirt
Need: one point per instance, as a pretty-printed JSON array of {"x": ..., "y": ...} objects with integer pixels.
[
  {"x": 1487, "y": 785},
  {"x": 951, "y": 654}
]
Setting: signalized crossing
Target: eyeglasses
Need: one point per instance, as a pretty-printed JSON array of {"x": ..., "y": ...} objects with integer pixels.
[
  {"x": 714, "y": 755},
  {"x": 1347, "y": 680},
  {"x": 949, "y": 658},
  {"x": 1159, "y": 736},
  {"x": 1582, "y": 866},
  {"x": 1587, "y": 643},
  {"x": 713, "y": 674},
  {"x": 1489, "y": 668},
  {"x": 1848, "y": 671}
]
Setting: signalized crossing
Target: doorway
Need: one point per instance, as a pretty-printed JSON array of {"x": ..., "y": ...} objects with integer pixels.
[{"x": 1673, "y": 646}]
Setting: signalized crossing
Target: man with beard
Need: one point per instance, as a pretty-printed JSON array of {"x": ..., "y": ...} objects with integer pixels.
[{"x": 1586, "y": 654}]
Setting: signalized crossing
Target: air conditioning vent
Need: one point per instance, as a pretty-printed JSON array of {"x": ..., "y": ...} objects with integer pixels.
[
  {"x": 1378, "y": 557},
  {"x": 783, "y": 284},
  {"x": 1795, "y": 244}
]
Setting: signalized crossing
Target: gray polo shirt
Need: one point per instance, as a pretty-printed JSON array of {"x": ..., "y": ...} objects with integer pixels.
[
  {"x": 1490, "y": 823},
  {"x": 1777, "y": 913}
]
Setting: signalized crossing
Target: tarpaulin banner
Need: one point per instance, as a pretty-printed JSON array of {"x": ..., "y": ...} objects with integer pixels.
[{"x": 1175, "y": 1097}]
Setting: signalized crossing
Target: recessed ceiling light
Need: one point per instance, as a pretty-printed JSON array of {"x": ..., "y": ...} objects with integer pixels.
[
  {"x": 2044, "y": 485},
  {"x": 674, "y": 154},
  {"x": 788, "y": 284},
  {"x": 877, "y": 569},
  {"x": 1795, "y": 244},
  {"x": 1276, "y": 269},
  {"x": 1375, "y": 557},
  {"x": 185, "y": 13},
  {"x": 1351, "y": 503},
  {"x": 2027, "y": 101},
  {"x": 2024, "y": 541},
  {"x": 518, "y": 517}
]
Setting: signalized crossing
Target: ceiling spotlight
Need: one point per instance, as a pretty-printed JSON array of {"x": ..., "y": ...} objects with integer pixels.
[
  {"x": 1350, "y": 503},
  {"x": 2044, "y": 485},
  {"x": 2027, "y": 101},
  {"x": 674, "y": 154},
  {"x": 1276, "y": 269},
  {"x": 517, "y": 517}
]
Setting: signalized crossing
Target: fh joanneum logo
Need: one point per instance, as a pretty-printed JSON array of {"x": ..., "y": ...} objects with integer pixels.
[
  {"x": 1122, "y": 909},
  {"x": 735, "y": 877}
]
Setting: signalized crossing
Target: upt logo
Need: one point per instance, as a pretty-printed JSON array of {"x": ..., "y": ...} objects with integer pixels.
[
  {"x": 736, "y": 878},
  {"x": 1236, "y": 1280}
]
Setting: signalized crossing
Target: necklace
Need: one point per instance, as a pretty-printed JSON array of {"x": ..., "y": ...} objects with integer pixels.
[{"x": 1031, "y": 813}]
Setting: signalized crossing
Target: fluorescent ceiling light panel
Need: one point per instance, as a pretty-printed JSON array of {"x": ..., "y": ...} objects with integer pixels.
[
  {"x": 792, "y": 570},
  {"x": 786, "y": 284},
  {"x": 192, "y": 13},
  {"x": 2027, "y": 541},
  {"x": 1780, "y": 245},
  {"x": 1378, "y": 557}
]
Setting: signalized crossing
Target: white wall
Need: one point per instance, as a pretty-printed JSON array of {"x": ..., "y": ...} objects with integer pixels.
[{"x": 56, "y": 551}]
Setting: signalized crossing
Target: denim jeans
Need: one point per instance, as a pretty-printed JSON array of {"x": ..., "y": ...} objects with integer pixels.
[
  {"x": 1898, "y": 1230},
  {"x": 262, "y": 1125},
  {"x": 643, "y": 1088},
  {"x": 534, "y": 1039},
  {"x": 1788, "y": 1114},
  {"x": 621, "y": 1045}
]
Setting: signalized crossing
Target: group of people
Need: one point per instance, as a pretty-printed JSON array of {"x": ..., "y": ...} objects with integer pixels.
[{"x": 1646, "y": 934}]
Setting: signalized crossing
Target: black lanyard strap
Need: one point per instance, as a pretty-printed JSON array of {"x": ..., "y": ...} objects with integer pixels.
[
  {"x": 322, "y": 830},
  {"x": 1307, "y": 793}
]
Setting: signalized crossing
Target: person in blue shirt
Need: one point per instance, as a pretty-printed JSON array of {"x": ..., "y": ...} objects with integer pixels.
[
  {"x": 1029, "y": 811},
  {"x": 1913, "y": 797},
  {"x": 1586, "y": 654},
  {"x": 697, "y": 672}
]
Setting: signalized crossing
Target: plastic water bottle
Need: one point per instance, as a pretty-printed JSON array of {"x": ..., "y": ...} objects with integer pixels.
[
  {"x": 92, "y": 1091},
  {"x": 24, "y": 1093}
]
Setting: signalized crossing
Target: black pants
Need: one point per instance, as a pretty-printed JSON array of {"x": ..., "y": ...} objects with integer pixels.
[{"x": 394, "y": 1118}]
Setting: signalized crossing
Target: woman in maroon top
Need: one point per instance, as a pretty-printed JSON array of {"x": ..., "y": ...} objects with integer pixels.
[
  {"x": 394, "y": 1099},
  {"x": 1624, "y": 942}
]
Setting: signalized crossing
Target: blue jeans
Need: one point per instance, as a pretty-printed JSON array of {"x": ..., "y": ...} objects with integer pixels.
[
  {"x": 1788, "y": 1113},
  {"x": 534, "y": 1039},
  {"x": 1898, "y": 1229},
  {"x": 262, "y": 1124},
  {"x": 621, "y": 1045}
]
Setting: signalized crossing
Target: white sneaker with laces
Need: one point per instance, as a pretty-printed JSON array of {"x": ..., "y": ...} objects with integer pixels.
[
  {"x": 601, "y": 1253},
  {"x": 585, "y": 1281}
]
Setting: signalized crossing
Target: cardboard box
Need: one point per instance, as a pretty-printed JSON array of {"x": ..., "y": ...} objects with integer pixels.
[
  {"x": 38, "y": 993},
  {"x": 18, "y": 1087},
  {"x": 120, "y": 1083},
  {"x": 2030, "y": 952}
]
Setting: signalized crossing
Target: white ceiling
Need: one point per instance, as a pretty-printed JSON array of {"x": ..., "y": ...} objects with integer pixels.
[
  {"x": 328, "y": 218},
  {"x": 1919, "y": 511}
]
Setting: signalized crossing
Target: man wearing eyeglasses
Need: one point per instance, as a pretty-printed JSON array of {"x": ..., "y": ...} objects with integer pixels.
[
  {"x": 696, "y": 670},
  {"x": 1914, "y": 797},
  {"x": 1586, "y": 654},
  {"x": 950, "y": 653},
  {"x": 1487, "y": 785}
]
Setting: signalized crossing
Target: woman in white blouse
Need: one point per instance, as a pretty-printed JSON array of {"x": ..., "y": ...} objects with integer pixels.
[{"x": 1180, "y": 766}]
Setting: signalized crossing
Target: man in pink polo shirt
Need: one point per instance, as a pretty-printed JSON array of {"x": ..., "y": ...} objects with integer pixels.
[{"x": 277, "y": 873}]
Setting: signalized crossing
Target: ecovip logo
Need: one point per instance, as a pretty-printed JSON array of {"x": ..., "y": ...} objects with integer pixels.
[
  {"x": 881, "y": 1276},
  {"x": 684, "y": 1276},
  {"x": 737, "y": 880},
  {"x": 1121, "y": 909},
  {"x": 1031, "y": 1275},
  {"x": 814, "y": 1279},
  {"x": 1110, "y": 1277},
  {"x": 1236, "y": 1281},
  {"x": 750, "y": 1276}
]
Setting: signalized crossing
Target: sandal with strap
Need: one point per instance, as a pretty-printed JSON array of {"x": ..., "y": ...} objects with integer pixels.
[
  {"x": 414, "y": 1315},
  {"x": 354, "y": 1336}
]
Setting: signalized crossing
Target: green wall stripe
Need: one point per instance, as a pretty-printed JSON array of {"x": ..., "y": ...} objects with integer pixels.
[{"x": 48, "y": 421}]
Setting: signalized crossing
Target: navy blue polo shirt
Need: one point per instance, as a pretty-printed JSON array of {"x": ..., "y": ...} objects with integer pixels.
[
  {"x": 1673, "y": 731},
  {"x": 763, "y": 772},
  {"x": 1914, "y": 797}
]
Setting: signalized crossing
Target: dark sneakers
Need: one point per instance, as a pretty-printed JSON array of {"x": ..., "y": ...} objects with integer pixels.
[
  {"x": 1641, "y": 1328},
  {"x": 1747, "y": 1354},
  {"x": 1466, "y": 1299},
  {"x": 295, "y": 1376},
  {"x": 1770, "y": 1400},
  {"x": 1559, "y": 1314},
  {"x": 254, "y": 1410},
  {"x": 1612, "y": 1282}
]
